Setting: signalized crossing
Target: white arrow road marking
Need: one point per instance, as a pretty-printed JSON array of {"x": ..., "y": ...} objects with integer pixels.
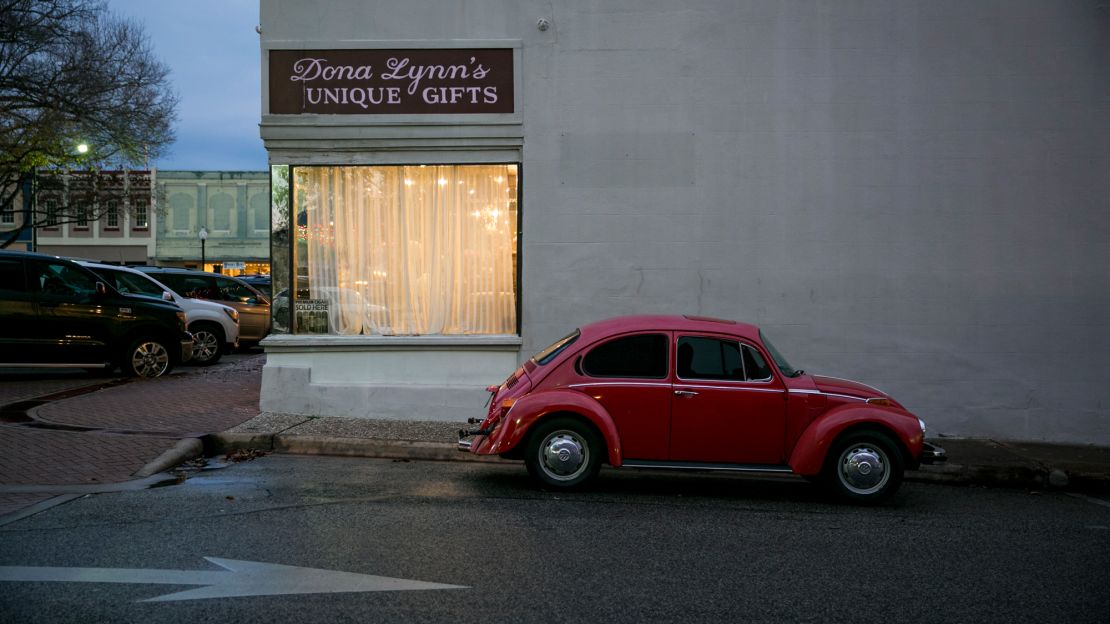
[{"x": 242, "y": 578}]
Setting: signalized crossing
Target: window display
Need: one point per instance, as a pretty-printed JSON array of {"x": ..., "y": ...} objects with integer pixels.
[{"x": 406, "y": 250}]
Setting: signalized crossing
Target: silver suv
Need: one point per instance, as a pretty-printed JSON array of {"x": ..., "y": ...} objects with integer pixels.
[{"x": 253, "y": 306}]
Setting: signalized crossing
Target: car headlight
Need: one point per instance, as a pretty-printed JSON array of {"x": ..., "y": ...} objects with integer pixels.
[
  {"x": 233, "y": 313},
  {"x": 922, "y": 423}
]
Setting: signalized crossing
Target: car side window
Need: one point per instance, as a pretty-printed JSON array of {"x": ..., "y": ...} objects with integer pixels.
[
  {"x": 62, "y": 282},
  {"x": 129, "y": 283},
  {"x": 709, "y": 358},
  {"x": 714, "y": 358},
  {"x": 197, "y": 288},
  {"x": 230, "y": 290},
  {"x": 12, "y": 280},
  {"x": 642, "y": 355},
  {"x": 755, "y": 366}
]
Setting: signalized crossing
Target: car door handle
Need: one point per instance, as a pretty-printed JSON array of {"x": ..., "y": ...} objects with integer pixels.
[{"x": 685, "y": 393}]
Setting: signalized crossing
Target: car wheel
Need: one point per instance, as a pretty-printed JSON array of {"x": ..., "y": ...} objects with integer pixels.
[
  {"x": 863, "y": 467},
  {"x": 208, "y": 342},
  {"x": 147, "y": 357},
  {"x": 563, "y": 453}
]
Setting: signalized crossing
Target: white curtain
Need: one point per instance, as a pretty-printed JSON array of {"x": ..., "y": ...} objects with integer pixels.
[{"x": 410, "y": 250}]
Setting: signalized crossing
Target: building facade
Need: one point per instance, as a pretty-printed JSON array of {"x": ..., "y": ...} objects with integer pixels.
[
  {"x": 107, "y": 216},
  {"x": 904, "y": 192},
  {"x": 232, "y": 208},
  {"x": 14, "y": 215}
]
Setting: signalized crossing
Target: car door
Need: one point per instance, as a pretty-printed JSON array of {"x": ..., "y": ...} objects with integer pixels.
[
  {"x": 726, "y": 406},
  {"x": 628, "y": 375},
  {"x": 74, "y": 326},
  {"x": 17, "y": 314}
]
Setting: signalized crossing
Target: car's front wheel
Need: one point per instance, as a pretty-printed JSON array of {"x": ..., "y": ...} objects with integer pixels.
[
  {"x": 147, "y": 357},
  {"x": 563, "y": 453},
  {"x": 863, "y": 467},
  {"x": 208, "y": 342}
]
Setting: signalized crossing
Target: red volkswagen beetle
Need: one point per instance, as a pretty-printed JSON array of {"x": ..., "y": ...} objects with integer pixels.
[{"x": 695, "y": 393}]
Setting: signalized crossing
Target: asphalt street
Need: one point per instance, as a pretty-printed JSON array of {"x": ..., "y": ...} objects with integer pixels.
[{"x": 640, "y": 546}]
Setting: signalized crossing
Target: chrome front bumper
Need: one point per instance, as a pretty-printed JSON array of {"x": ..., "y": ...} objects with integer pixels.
[{"x": 931, "y": 454}]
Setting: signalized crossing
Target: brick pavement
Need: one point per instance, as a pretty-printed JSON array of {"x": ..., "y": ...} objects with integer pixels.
[{"x": 131, "y": 425}]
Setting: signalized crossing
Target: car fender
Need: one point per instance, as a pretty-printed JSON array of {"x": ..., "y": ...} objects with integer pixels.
[
  {"x": 812, "y": 447},
  {"x": 534, "y": 407}
]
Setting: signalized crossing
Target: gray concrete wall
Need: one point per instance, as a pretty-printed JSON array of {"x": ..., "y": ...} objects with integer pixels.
[{"x": 908, "y": 193}]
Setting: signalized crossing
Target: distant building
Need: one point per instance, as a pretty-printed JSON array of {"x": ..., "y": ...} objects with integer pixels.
[
  {"x": 233, "y": 207},
  {"x": 13, "y": 216},
  {"x": 107, "y": 216}
]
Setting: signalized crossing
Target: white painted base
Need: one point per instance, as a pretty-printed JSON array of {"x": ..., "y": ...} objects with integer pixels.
[{"x": 391, "y": 378}]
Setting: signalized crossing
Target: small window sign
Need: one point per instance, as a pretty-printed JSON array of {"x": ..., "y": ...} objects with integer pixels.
[{"x": 311, "y": 316}]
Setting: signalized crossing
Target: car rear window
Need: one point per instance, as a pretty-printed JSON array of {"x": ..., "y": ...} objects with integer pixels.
[{"x": 548, "y": 354}]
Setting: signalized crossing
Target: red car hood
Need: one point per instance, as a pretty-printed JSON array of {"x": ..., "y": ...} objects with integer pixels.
[{"x": 833, "y": 385}]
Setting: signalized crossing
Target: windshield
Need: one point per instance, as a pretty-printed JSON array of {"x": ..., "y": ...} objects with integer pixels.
[
  {"x": 548, "y": 354},
  {"x": 783, "y": 365}
]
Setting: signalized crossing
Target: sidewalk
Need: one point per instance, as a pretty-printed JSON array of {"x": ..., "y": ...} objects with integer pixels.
[
  {"x": 66, "y": 437},
  {"x": 971, "y": 462}
]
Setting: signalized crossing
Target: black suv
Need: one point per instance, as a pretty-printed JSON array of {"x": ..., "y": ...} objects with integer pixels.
[{"x": 56, "y": 313}]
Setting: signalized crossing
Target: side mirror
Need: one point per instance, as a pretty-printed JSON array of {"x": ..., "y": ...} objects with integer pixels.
[
  {"x": 166, "y": 296},
  {"x": 101, "y": 289}
]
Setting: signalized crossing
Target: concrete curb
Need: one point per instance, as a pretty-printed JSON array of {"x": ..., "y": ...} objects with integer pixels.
[
  {"x": 953, "y": 474},
  {"x": 344, "y": 447},
  {"x": 183, "y": 451}
]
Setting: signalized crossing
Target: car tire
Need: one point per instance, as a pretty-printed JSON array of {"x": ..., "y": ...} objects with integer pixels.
[
  {"x": 863, "y": 467},
  {"x": 563, "y": 453},
  {"x": 208, "y": 343},
  {"x": 146, "y": 357}
]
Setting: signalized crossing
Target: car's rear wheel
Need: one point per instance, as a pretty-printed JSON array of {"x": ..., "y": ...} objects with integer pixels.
[
  {"x": 147, "y": 357},
  {"x": 863, "y": 467},
  {"x": 563, "y": 453},
  {"x": 208, "y": 342}
]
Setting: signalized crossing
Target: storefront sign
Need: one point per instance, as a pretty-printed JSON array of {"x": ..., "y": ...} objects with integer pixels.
[{"x": 362, "y": 82}]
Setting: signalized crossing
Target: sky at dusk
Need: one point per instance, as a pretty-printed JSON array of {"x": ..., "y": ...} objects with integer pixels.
[{"x": 212, "y": 50}]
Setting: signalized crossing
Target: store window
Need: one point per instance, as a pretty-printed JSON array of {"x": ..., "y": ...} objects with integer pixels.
[{"x": 405, "y": 250}]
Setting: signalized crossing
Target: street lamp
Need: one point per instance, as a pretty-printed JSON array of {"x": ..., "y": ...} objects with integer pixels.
[{"x": 203, "y": 234}]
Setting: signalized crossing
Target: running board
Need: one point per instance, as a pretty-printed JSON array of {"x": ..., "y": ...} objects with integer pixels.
[{"x": 677, "y": 465}]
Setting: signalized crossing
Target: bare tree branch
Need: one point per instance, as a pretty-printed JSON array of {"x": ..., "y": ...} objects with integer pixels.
[{"x": 70, "y": 73}]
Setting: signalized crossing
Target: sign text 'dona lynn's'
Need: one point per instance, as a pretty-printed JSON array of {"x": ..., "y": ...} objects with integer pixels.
[{"x": 391, "y": 81}]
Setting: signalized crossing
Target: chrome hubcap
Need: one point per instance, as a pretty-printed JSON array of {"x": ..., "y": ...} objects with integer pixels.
[
  {"x": 863, "y": 469},
  {"x": 150, "y": 359},
  {"x": 564, "y": 455},
  {"x": 204, "y": 345}
]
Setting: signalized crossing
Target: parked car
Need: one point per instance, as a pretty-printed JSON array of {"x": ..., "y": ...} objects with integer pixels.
[
  {"x": 253, "y": 306},
  {"x": 56, "y": 313},
  {"x": 215, "y": 326},
  {"x": 261, "y": 282},
  {"x": 688, "y": 392}
]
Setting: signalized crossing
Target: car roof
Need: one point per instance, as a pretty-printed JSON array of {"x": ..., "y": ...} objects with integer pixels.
[
  {"x": 645, "y": 322},
  {"x": 101, "y": 265},
  {"x": 31, "y": 254}
]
